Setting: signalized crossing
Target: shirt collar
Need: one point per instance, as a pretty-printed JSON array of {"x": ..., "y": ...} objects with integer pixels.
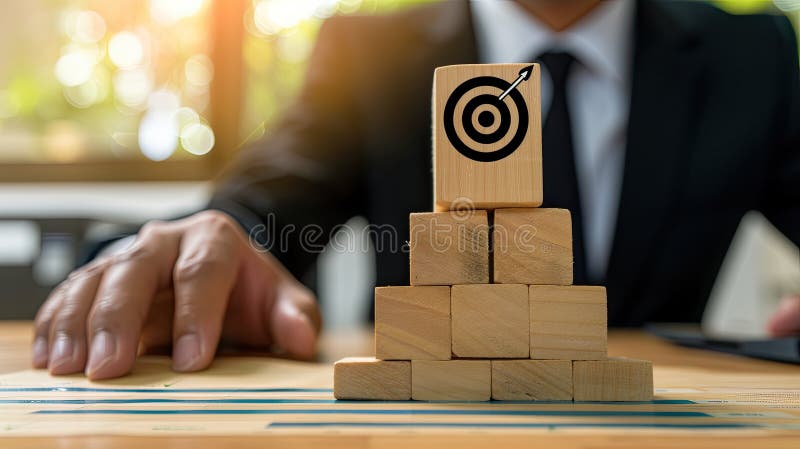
[{"x": 601, "y": 41}]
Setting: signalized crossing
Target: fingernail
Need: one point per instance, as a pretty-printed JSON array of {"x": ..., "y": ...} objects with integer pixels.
[
  {"x": 186, "y": 352},
  {"x": 62, "y": 352},
  {"x": 104, "y": 348},
  {"x": 40, "y": 352}
]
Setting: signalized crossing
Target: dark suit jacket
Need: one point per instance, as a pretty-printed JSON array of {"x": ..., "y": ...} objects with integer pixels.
[{"x": 714, "y": 132}]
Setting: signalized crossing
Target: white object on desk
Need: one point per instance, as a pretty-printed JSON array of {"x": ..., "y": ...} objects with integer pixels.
[{"x": 760, "y": 267}]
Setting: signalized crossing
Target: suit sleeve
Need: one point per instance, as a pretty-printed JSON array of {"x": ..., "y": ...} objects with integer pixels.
[
  {"x": 782, "y": 202},
  {"x": 290, "y": 190}
]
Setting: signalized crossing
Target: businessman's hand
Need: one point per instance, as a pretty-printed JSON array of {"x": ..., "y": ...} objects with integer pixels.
[
  {"x": 786, "y": 320},
  {"x": 186, "y": 283}
]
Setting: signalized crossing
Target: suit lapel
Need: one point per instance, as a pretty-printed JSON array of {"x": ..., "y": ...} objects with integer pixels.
[{"x": 666, "y": 71}]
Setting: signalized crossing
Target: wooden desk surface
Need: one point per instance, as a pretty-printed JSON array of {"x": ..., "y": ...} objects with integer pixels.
[{"x": 703, "y": 399}]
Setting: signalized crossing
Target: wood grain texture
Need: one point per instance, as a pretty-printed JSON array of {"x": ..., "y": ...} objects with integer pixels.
[
  {"x": 532, "y": 380},
  {"x": 451, "y": 380},
  {"x": 514, "y": 181},
  {"x": 372, "y": 379},
  {"x": 568, "y": 322},
  {"x": 709, "y": 382},
  {"x": 532, "y": 246},
  {"x": 412, "y": 323},
  {"x": 490, "y": 320},
  {"x": 449, "y": 248},
  {"x": 615, "y": 379}
]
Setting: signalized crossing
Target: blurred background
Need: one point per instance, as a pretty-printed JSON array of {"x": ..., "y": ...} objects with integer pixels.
[{"x": 113, "y": 113}]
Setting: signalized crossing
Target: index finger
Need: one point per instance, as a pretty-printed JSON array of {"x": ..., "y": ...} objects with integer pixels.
[{"x": 129, "y": 285}]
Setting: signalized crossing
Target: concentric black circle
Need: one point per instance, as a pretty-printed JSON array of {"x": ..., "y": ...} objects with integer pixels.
[
  {"x": 469, "y": 127},
  {"x": 486, "y": 119},
  {"x": 477, "y": 136}
]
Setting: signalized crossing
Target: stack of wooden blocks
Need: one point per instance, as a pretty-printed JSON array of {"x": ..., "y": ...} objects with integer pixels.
[{"x": 491, "y": 312}]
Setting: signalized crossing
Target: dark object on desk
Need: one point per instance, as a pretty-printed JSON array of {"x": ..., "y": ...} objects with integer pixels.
[{"x": 777, "y": 349}]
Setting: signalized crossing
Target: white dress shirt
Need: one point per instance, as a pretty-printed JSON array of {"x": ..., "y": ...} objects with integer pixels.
[{"x": 598, "y": 93}]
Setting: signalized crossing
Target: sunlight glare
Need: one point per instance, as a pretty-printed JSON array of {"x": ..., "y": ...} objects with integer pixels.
[
  {"x": 126, "y": 50},
  {"x": 168, "y": 12},
  {"x": 272, "y": 16},
  {"x": 75, "y": 67}
]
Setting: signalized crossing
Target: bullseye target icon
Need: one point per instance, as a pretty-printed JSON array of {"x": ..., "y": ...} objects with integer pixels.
[{"x": 486, "y": 118}]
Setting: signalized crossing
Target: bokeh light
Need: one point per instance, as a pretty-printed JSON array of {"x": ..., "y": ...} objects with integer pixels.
[
  {"x": 295, "y": 48},
  {"x": 75, "y": 67},
  {"x": 140, "y": 75},
  {"x": 158, "y": 135},
  {"x": 126, "y": 50},
  {"x": 168, "y": 12},
  {"x": 136, "y": 77},
  {"x": 185, "y": 116},
  {"x": 83, "y": 26},
  {"x": 158, "y": 129},
  {"x": 273, "y": 16},
  {"x": 132, "y": 87},
  {"x": 199, "y": 70},
  {"x": 197, "y": 138},
  {"x": 164, "y": 100},
  {"x": 93, "y": 91}
]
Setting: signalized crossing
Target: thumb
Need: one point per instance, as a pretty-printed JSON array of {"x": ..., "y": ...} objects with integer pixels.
[
  {"x": 786, "y": 319},
  {"x": 295, "y": 321}
]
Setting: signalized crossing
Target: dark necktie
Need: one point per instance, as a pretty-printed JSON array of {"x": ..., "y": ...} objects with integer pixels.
[{"x": 558, "y": 160}]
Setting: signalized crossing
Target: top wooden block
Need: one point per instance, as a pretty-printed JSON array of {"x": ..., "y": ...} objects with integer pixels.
[{"x": 487, "y": 150}]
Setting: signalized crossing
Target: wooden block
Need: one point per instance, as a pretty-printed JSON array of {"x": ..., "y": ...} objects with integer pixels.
[
  {"x": 452, "y": 380},
  {"x": 487, "y": 151},
  {"x": 412, "y": 323},
  {"x": 615, "y": 379},
  {"x": 369, "y": 378},
  {"x": 532, "y": 246},
  {"x": 532, "y": 380},
  {"x": 449, "y": 248},
  {"x": 568, "y": 322},
  {"x": 490, "y": 320}
]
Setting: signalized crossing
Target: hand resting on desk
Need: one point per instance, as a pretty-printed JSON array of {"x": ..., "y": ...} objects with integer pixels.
[{"x": 187, "y": 283}]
